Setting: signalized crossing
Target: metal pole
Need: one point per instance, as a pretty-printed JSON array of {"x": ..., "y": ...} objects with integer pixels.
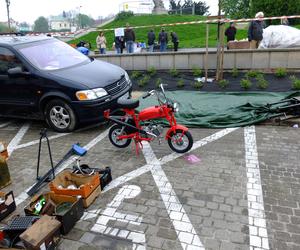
[{"x": 8, "y": 18}]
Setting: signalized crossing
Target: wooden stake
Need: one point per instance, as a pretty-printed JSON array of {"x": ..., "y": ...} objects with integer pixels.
[{"x": 206, "y": 52}]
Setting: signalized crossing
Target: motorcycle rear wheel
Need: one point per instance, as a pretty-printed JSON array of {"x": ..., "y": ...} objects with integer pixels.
[
  {"x": 113, "y": 134},
  {"x": 180, "y": 141}
]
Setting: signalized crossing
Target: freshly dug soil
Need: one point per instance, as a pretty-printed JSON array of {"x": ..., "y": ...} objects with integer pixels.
[{"x": 275, "y": 84}]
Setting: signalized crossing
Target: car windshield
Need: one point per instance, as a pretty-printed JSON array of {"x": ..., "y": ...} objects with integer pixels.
[{"x": 53, "y": 55}]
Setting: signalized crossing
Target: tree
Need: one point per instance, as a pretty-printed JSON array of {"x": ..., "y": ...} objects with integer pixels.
[
  {"x": 187, "y": 7},
  {"x": 7, "y": 8},
  {"x": 41, "y": 25},
  {"x": 84, "y": 21},
  {"x": 236, "y": 8},
  {"x": 276, "y": 8}
]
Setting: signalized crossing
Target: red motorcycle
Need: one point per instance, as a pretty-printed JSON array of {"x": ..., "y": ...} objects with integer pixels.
[{"x": 146, "y": 125}]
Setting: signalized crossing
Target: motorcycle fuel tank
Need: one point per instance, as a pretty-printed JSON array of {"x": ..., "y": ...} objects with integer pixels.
[{"x": 151, "y": 113}]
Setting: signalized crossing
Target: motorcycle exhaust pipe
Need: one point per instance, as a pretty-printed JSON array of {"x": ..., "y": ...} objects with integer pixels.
[{"x": 127, "y": 125}]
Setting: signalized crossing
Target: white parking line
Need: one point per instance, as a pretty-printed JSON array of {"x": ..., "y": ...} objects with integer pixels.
[
  {"x": 18, "y": 137},
  {"x": 257, "y": 222},
  {"x": 4, "y": 124},
  {"x": 144, "y": 169},
  {"x": 23, "y": 196},
  {"x": 185, "y": 231}
]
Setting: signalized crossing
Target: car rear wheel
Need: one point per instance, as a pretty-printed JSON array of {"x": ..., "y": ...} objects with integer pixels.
[{"x": 60, "y": 116}]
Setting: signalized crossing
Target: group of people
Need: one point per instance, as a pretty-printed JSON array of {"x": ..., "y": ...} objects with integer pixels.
[
  {"x": 255, "y": 30},
  {"x": 128, "y": 41}
]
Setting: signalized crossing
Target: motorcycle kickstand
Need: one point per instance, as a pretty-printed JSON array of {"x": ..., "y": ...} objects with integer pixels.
[{"x": 138, "y": 146}]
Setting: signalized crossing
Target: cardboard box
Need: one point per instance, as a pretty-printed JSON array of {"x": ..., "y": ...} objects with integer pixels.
[
  {"x": 238, "y": 45},
  {"x": 4, "y": 173},
  {"x": 8, "y": 205},
  {"x": 43, "y": 234},
  {"x": 86, "y": 184},
  {"x": 67, "y": 217}
]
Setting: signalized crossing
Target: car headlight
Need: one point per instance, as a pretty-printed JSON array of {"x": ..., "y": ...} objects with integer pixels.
[
  {"x": 85, "y": 95},
  {"x": 127, "y": 78}
]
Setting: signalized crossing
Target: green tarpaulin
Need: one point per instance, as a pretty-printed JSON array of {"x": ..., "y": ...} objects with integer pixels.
[{"x": 221, "y": 110}]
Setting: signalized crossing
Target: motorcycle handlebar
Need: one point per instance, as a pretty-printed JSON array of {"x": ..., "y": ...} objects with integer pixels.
[{"x": 146, "y": 95}]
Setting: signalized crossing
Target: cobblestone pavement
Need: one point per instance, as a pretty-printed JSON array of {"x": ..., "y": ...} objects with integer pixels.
[{"x": 240, "y": 192}]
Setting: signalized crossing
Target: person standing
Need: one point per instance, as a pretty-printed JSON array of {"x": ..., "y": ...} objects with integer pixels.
[
  {"x": 151, "y": 40},
  {"x": 129, "y": 39},
  {"x": 230, "y": 32},
  {"x": 163, "y": 40},
  {"x": 101, "y": 43},
  {"x": 255, "y": 31},
  {"x": 175, "y": 40}
]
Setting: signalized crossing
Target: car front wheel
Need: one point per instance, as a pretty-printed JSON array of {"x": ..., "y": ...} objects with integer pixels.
[{"x": 60, "y": 116}]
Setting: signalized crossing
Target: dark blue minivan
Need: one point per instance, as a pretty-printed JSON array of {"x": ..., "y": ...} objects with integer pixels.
[{"x": 45, "y": 78}]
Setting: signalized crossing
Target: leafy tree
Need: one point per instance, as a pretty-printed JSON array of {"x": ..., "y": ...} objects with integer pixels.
[
  {"x": 84, "y": 20},
  {"x": 3, "y": 28},
  {"x": 237, "y": 8},
  {"x": 277, "y": 8},
  {"x": 200, "y": 7},
  {"x": 41, "y": 25}
]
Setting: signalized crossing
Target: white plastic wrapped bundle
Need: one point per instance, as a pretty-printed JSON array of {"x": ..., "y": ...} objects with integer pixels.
[{"x": 280, "y": 36}]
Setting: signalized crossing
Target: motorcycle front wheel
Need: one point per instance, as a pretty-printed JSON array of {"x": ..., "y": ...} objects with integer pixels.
[
  {"x": 113, "y": 134},
  {"x": 180, "y": 141}
]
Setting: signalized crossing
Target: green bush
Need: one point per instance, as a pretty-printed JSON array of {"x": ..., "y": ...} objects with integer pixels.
[
  {"x": 197, "y": 71},
  {"x": 174, "y": 72},
  {"x": 136, "y": 74},
  {"x": 280, "y": 72},
  {"x": 246, "y": 83},
  {"x": 124, "y": 15},
  {"x": 142, "y": 82},
  {"x": 295, "y": 82},
  {"x": 262, "y": 83},
  {"x": 158, "y": 82},
  {"x": 180, "y": 83},
  {"x": 152, "y": 71},
  {"x": 197, "y": 85},
  {"x": 235, "y": 72},
  {"x": 252, "y": 74},
  {"x": 223, "y": 83}
]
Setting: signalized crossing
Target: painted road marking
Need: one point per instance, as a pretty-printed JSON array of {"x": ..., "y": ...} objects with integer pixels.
[
  {"x": 185, "y": 231},
  {"x": 111, "y": 214},
  {"x": 148, "y": 167},
  {"x": 257, "y": 219},
  {"x": 23, "y": 196},
  {"x": 18, "y": 137},
  {"x": 4, "y": 124}
]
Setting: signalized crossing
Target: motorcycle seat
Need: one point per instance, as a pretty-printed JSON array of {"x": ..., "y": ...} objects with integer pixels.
[{"x": 128, "y": 103}]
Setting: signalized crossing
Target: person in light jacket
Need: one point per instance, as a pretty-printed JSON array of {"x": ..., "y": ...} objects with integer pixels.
[{"x": 101, "y": 43}]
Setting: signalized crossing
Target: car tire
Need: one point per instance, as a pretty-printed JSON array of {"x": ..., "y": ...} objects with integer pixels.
[{"x": 60, "y": 116}]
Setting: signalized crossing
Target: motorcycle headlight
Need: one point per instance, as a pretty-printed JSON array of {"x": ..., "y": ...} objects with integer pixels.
[
  {"x": 86, "y": 95},
  {"x": 175, "y": 107}
]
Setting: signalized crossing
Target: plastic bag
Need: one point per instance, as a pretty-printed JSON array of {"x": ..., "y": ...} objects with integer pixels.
[{"x": 280, "y": 36}]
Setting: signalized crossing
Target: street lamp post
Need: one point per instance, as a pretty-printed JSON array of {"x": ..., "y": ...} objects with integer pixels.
[{"x": 8, "y": 18}]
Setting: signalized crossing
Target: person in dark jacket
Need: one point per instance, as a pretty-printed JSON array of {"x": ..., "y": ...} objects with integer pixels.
[
  {"x": 129, "y": 38},
  {"x": 255, "y": 31},
  {"x": 175, "y": 40},
  {"x": 151, "y": 40},
  {"x": 230, "y": 32},
  {"x": 163, "y": 40}
]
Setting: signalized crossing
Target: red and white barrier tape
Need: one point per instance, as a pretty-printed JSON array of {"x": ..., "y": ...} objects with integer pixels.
[{"x": 221, "y": 20}]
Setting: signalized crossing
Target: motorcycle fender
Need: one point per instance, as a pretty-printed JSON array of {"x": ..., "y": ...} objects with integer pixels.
[{"x": 174, "y": 128}]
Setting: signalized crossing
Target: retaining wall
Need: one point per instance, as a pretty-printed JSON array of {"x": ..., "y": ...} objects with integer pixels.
[{"x": 185, "y": 60}]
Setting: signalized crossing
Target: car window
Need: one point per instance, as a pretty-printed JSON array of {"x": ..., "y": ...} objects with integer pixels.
[
  {"x": 53, "y": 55},
  {"x": 8, "y": 60}
]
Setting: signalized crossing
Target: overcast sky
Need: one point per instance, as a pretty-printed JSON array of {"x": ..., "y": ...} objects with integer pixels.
[{"x": 30, "y": 10}]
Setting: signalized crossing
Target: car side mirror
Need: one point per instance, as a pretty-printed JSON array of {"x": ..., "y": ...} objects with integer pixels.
[{"x": 17, "y": 71}]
